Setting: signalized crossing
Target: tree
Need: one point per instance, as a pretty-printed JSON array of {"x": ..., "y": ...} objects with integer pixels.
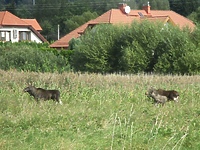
[
  {"x": 155, "y": 4},
  {"x": 11, "y": 7},
  {"x": 195, "y": 16},
  {"x": 184, "y": 7},
  {"x": 78, "y": 20},
  {"x": 49, "y": 31}
]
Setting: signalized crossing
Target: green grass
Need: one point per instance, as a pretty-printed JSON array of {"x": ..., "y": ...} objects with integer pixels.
[{"x": 98, "y": 112}]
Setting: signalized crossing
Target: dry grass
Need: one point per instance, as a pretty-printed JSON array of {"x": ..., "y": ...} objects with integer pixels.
[{"x": 99, "y": 112}]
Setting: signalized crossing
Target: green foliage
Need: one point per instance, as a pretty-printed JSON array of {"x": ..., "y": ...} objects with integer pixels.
[
  {"x": 140, "y": 47},
  {"x": 133, "y": 58},
  {"x": 11, "y": 7},
  {"x": 195, "y": 35},
  {"x": 78, "y": 20},
  {"x": 48, "y": 30},
  {"x": 195, "y": 16},
  {"x": 93, "y": 51},
  {"x": 177, "y": 45},
  {"x": 155, "y": 4},
  {"x": 184, "y": 7},
  {"x": 189, "y": 63},
  {"x": 32, "y": 57}
]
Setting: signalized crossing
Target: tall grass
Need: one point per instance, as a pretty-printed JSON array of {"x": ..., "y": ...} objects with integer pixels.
[{"x": 98, "y": 112}]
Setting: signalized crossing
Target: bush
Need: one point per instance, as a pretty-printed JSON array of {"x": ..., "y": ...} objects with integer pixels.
[
  {"x": 133, "y": 58},
  {"x": 32, "y": 57},
  {"x": 139, "y": 47},
  {"x": 176, "y": 45},
  {"x": 93, "y": 51}
]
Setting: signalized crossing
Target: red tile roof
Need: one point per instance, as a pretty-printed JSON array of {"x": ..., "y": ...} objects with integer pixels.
[
  {"x": 7, "y": 19},
  {"x": 179, "y": 20},
  {"x": 116, "y": 16},
  {"x": 33, "y": 23}
]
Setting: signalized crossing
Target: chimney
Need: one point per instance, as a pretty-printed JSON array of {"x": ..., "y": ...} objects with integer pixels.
[
  {"x": 122, "y": 6},
  {"x": 147, "y": 8}
]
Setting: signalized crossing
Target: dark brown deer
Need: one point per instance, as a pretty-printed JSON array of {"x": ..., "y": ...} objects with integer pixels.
[
  {"x": 171, "y": 95},
  {"x": 39, "y": 93}
]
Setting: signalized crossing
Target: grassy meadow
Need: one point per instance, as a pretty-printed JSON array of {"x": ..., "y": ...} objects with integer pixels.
[{"x": 105, "y": 112}]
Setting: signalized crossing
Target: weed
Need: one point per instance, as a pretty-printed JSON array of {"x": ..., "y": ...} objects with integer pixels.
[{"x": 98, "y": 112}]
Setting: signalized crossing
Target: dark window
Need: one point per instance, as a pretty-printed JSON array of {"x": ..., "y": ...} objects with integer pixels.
[{"x": 24, "y": 36}]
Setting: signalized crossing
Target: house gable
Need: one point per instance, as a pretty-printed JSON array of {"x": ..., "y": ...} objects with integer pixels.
[{"x": 15, "y": 29}]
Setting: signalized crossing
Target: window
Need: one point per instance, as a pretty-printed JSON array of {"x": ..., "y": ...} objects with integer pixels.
[
  {"x": 24, "y": 36},
  {"x": 5, "y": 36}
]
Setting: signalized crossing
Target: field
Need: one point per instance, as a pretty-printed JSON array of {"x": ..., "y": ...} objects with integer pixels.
[{"x": 105, "y": 112}]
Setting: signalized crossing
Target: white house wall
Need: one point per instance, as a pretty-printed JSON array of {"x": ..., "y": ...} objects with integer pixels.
[
  {"x": 34, "y": 38},
  {"x": 14, "y": 34}
]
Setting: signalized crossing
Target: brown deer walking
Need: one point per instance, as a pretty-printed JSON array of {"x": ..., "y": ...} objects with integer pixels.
[{"x": 39, "y": 93}]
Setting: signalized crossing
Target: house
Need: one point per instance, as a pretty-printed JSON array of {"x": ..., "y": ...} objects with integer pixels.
[
  {"x": 15, "y": 29},
  {"x": 126, "y": 16}
]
